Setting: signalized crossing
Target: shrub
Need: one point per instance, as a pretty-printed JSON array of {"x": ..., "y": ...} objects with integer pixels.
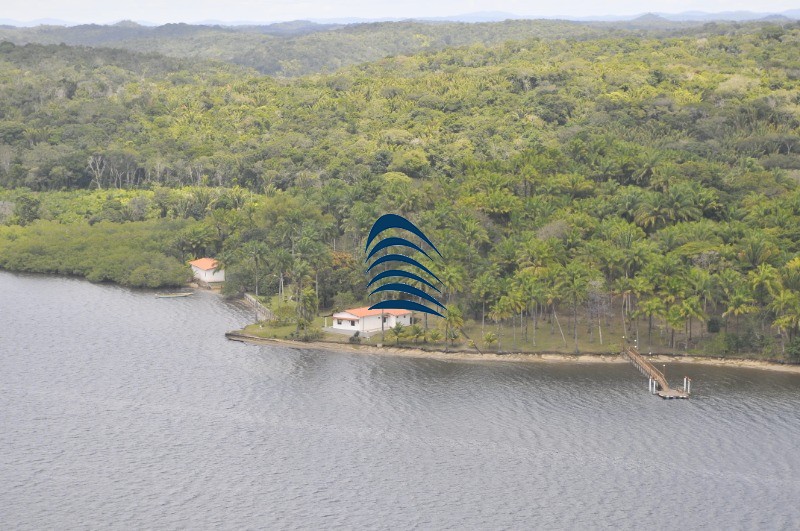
[
  {"x": 307, "y": 334},
  {"x": 793, "y": 349}
]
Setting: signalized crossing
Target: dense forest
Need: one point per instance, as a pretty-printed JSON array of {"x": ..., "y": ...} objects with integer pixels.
[{"x": 647, "y": 177}]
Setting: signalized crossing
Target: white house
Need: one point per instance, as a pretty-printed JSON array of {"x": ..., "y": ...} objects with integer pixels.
[
  {"x": 365, "y": 320},
  {"x": 204, "y": 269}
]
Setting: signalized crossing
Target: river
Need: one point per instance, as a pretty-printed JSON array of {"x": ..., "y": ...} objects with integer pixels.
[{"x": 120, "y": 410}]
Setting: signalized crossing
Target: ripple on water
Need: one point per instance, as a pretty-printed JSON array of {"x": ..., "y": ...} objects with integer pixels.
[{"x": 122, "y": 410}]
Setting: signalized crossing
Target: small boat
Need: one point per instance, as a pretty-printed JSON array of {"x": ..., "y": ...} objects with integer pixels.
[{"x": 174, "y": 295}]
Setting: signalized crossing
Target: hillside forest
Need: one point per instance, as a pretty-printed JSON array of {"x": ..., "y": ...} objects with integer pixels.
[{"x": 627, "y": 179}]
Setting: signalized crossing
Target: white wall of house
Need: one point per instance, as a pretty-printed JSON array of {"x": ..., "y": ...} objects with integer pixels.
[
  {"x": 369, "y": 323},
  {"x": 346, "y": 321},
  {"x": 208, "y": 275},
  {"x": 404, "y": 320}
]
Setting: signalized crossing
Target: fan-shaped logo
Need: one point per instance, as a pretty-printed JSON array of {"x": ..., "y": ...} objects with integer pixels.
[{"x": 400, "y": 270}]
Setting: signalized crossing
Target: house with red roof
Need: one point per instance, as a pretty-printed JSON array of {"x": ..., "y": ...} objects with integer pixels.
[
  {"x": 364, "y": 320},
  {"x": 206, "y": 270}
]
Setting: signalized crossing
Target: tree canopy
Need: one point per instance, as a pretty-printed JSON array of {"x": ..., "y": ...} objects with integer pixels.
[{"x": 655, "y": 171}]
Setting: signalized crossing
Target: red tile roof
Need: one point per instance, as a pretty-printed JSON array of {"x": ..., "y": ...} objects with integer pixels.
[
  {"x": 204, "y": 263},
  {"x": 364, "y": 311}
]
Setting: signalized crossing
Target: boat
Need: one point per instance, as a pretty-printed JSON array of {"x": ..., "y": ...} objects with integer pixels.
[{"x": 174, "y": 295}]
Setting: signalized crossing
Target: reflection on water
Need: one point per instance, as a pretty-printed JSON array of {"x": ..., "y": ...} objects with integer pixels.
[{"x": 119, "y": 409}]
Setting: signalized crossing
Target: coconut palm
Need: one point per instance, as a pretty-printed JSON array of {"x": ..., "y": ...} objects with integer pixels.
[
  {"x": 652, "y": 307},
  {"x": 574, "y": 285},
  {"x": 740, "y": 303},
  {"x": 416, "y": 332},
  {"x": 397, "y": 331},
  {"x": 453, "y": 322},
  {"x": 484, "y": 288},
  {"x": 497, "y": 313},
  {"x": 691, "y": 308},
  {"x": 786, "y": 306},
  {"x": 514, "y": 303},
  {"x": 257, "y": 253}
]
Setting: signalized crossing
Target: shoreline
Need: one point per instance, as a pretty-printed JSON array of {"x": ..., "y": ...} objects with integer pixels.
[{"x": 543, "y": 357}]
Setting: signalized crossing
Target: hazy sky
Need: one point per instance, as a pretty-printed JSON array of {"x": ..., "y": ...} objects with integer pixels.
[{"x": 160, "y": 11}]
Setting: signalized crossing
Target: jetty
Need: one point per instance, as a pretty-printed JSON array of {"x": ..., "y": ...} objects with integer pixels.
[{"x": 658, "y": 382}]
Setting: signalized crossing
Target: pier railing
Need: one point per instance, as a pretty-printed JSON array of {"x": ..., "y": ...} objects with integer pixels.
[{"x": 645, "y": 367}]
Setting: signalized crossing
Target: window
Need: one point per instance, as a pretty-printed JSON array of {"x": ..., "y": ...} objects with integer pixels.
[
  {"x": 352, "y": 323},
  {"x": 338, "y": 321}
]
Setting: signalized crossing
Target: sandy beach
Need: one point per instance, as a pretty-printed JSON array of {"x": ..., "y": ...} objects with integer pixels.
[{"x": 474, "y": 356}]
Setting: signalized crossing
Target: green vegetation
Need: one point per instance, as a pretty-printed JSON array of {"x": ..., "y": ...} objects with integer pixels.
[
  {"x": 578, "y": 189},
  {"x": 134, "y": 254},
  {"x": 302, "y": 48}
]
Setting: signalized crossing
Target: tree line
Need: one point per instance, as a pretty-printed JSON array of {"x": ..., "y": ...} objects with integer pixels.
[{"x": 647, "y": 181}]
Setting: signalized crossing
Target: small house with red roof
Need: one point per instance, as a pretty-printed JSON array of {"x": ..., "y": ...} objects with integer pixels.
[
  {"x": 365, "y": 320},
  {"x": 206, "y": 270}
]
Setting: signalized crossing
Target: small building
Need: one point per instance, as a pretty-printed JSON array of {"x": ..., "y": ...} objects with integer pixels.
[
  {"x": 365, "y": 320},
  {"x": 205, "y": 270}
]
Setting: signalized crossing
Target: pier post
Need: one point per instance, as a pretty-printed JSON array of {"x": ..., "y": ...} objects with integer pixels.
[
  {"x": 684, "y": 383},
  {"x": 689, "y": 386}
]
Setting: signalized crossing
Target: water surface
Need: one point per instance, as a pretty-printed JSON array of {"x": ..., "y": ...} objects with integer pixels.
[{"x": 121, "y": 410}]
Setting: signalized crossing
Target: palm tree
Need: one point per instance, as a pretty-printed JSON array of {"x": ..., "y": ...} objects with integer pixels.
[
  {"x": 691, "y": 308},
  {"x": 574, "y": 285},
  {"x": 497, "y": 313},
  {"x": 484, "y": 288},
  {"x": 452, "y": 276},
  {"x": 682, "y": 204},
  {"x": 675, "y": 319},
  {"x": 740, "y": 303},
  {"x": 281, "y": 261},
  {"x": 474, "y": 234},
  {"x": 648, "y": 163},
  {"x": 652, "y": 307},
  {"x": 514, "y": 303},
  {"x": 701, "y": 285},
  {"x": 552, "y": 297},
  {"x": 755, "y": 251},
  {"x": 397, "y": 331},
  {"x": 454, "y": 322},
  {"x": 765, "y": 283},
  {"x": 257, "y": 252},
  {"x": 652, "y": 212},
  {"x": 727, "y": 282},
  {"x": 433, "y": 335},
  {"x": 415, "y": 332},
  {"x": 624, "y": 287},
  {"x": 786, "y": 306},
  {"x": 790, "y": 274},
  {"x": 489, "y": 339},
  {"x": 531, "y": 285}
]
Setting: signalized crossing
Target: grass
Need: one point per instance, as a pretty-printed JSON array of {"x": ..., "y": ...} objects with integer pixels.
[
  {"x": 278, "y": 331},
  {"x": 548, "y": 338}
]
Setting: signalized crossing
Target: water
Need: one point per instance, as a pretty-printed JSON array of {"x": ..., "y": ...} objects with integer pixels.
[{"x": 120, "y": 410}]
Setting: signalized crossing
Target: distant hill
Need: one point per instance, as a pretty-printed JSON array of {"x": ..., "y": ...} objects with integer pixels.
[
  {"x": 290, "y": 49},
  {"x": 735, "y": 16},
  {"x": 650, "y": 17}
]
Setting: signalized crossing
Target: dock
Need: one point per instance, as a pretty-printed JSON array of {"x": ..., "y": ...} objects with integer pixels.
[{"x": 658, "y": 382}]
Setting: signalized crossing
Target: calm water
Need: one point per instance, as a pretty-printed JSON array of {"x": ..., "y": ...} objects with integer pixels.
[{"x": 120, "y": 410}]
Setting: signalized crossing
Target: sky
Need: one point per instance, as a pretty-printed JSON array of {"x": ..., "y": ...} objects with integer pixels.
[{"x": 160, "y": 11}]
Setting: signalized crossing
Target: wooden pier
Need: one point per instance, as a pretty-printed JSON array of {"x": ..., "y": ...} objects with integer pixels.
[{"x": 658, "y": 382}]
